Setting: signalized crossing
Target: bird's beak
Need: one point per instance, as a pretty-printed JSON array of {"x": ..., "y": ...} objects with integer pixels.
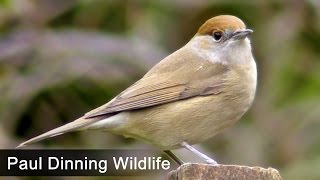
[{"x": 241, "y": 34}]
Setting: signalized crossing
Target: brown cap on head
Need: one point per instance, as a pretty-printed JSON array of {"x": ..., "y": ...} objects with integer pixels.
[{"x": 222, "y": 23}]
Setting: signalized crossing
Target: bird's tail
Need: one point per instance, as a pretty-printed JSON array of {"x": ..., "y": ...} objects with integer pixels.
[{"x": 72, "y": 126}]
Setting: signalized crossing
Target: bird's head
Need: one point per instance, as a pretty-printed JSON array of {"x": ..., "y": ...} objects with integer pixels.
[{"x": 221, "y": 37}]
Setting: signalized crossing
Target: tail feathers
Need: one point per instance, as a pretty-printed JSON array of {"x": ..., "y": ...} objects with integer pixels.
[{"x": 72, "y": 126}]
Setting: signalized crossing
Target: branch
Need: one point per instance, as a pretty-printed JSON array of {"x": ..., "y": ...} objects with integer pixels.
[{"x": 190, "y": 171}]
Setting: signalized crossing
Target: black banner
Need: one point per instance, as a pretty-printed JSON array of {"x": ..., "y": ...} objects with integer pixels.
[{"x": 82, "y": 162}]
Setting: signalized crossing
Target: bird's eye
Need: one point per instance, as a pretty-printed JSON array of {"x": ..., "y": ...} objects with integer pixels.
[{"x": 217, "y": 36}]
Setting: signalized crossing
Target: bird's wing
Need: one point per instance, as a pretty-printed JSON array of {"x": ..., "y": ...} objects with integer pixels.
[
  {"x": 150, "y": 92},
  {"x": 141, "y": 97}
]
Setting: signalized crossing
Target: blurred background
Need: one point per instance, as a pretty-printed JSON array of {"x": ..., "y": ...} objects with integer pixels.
[{"x": 60, "y": 59}]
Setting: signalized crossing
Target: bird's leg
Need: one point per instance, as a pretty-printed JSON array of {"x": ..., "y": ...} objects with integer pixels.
[
  {"x": 199, "y": 154},
  {"x": 174, "y": 157}
]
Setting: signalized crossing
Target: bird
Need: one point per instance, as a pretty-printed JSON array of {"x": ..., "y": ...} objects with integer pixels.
[{"x": 188, "y": 97}]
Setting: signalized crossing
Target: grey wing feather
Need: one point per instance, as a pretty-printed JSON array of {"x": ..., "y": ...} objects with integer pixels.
[
  {"x": 156, "y": 94},
  {"x": 149, "y": 91}
]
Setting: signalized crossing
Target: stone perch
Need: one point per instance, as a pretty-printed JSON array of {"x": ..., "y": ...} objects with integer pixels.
[{"x": 196, "y": 171}]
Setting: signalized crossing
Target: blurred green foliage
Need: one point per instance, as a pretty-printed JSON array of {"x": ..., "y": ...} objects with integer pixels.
[{"x": 59, "y": 59}]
